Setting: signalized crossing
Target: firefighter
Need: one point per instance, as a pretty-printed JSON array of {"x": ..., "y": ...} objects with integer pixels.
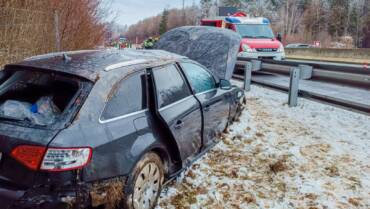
[{"x": 149, "y": 43}]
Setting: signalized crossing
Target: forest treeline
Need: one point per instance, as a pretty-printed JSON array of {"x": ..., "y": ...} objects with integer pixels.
[
  {"x": 335, "y": 23},
  {"x": 155, "y": 26}
]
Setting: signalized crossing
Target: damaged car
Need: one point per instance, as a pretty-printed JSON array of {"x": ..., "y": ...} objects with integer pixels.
[{"x": 106, "y": 128}]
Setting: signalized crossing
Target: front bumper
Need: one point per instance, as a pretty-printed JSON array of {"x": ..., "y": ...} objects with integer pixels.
[{"x": 261, "y": 55}]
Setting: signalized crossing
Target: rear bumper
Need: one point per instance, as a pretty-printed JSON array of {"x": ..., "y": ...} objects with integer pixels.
[
  {"x": 79, "y": 196},
  {"x": 258, "y": 55},
  {"x": 44, "y": 198},
  {"x": 8, "y": 197}
]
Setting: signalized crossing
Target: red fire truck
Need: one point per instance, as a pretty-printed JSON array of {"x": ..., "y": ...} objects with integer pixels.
[{"x": 258, "y": 39}]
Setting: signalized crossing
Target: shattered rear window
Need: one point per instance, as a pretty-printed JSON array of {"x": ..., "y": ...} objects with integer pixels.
[{"x": 35, "y": 97}]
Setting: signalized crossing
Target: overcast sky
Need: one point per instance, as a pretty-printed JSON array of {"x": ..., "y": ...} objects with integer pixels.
[{"x": 128, "y": 12}]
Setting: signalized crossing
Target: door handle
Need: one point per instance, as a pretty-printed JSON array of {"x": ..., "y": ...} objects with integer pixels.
[
  {"x": 207, "y": 108},
  {"x": 179, "y": 124}
]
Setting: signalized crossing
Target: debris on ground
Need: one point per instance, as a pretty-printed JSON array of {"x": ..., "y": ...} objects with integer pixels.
[
  {"x": 312, "y": 156},
  {"x": 108, "y": 193}
]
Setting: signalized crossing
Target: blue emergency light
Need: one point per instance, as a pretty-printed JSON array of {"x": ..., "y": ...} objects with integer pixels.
[
  {"x": 232, "y": 20},
  {"x": 265, "y": 21}
]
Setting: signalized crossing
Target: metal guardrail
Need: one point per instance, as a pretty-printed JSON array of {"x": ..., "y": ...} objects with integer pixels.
[
  {"x": 339, "y": 74},
  {"x": 352, "y": 74}
]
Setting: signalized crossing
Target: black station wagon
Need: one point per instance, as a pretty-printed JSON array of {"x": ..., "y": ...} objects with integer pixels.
[{"x": 95, "y": 129}]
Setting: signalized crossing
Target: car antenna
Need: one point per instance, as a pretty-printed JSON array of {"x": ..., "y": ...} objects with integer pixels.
[{"x": 66, "y": 58}]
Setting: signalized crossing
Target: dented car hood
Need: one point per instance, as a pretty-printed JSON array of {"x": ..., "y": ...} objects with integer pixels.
[{"x": 215, "y": 48}]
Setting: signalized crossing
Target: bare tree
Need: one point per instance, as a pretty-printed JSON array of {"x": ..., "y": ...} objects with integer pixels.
[
  {"x": 27, "y": 27},
  {"x": 81, "y": 23},
  {"x": 150, "y": 26},
  {"x": 292, "y": 15}
]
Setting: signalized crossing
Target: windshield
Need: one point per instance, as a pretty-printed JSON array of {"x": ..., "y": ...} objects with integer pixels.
[{"x": 255, "y": 31}]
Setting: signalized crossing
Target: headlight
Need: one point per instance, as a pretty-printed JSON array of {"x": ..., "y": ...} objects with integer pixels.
[
  {"x": 281, "y": 48},
  {"x": 246, "y": 48}
]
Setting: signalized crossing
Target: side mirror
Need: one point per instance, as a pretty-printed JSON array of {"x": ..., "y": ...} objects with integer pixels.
[
  {"x": 278, "y": 37},
  {"x": 225, "y": 84}
]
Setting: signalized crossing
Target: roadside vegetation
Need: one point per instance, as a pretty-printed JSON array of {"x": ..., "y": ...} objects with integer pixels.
[
  {"x": 29, "y": 27},
  {"x": 169, "y": 19},
  {"x": 335, "y": 23}
]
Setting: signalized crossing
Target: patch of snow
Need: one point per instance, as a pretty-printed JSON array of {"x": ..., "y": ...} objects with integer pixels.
[{"x": 312, "y": 156}]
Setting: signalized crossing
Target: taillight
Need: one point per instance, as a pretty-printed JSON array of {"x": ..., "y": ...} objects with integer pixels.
[
  {"x": 52, "y": 159},
  {"x": 30, "y": 156},
  {"x": 64, "y": 159}
]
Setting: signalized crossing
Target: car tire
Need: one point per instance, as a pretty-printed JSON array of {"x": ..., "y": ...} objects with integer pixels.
[{"x": 145, "y": 183}]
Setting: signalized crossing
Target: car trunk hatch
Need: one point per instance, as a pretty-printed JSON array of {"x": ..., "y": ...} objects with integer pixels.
[
  {"x": 34, "y": 107},
  {"x": 13, "y": 172}
]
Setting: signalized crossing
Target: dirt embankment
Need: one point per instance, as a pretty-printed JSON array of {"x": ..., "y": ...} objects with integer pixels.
[{"x": 358, "y": 56}]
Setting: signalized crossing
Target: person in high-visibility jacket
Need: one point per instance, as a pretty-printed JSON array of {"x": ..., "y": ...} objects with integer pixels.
[{"x": 149, "y": 43}]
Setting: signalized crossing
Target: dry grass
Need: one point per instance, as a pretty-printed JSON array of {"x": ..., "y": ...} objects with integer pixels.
[
  {"x": 109, "y": 193},
  {"x": 332, "y": 59},
  {"x": 27, "y": 28}
]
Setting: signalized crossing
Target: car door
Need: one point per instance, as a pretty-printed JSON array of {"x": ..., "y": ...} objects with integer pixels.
[
  {"x": 214, "y": 101},
  {"x": 178, "y": 109},
  {"x": 124, "y": 120}
]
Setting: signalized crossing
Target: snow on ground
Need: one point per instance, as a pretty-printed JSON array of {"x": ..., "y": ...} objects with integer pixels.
[{"x": 313, "y": 156}]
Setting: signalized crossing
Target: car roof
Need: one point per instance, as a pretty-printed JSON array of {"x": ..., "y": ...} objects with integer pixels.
[{"x": 89, "y": 64}]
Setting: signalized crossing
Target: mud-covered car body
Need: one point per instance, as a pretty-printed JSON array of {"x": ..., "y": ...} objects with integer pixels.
[{"x": 120, "y": 109}]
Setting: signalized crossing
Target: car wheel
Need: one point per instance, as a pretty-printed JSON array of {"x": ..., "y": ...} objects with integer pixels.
[{"x": 145, "y": 183}]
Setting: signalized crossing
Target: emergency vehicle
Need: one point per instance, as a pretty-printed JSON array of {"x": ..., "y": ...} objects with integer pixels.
[{"x": 258, "y": 39}]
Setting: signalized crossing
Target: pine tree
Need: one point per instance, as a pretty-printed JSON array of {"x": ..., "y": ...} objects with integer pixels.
[
  {"x": 233, "y": 3},
  {"x": 354, "y": 28},
  {"x": 315, "y": 18},
  {"x": 205, "y": 8},
  {"x": 366, "y": 30},
  {"x": 338, "y": 17},
  {"x": 163, "y": 23},
  {"x": 366, "y": 25}
]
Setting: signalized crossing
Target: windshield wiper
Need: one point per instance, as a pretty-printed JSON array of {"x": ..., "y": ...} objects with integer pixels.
[
  {"x": 248, "y": 37},
  {"x": 264, "y": 37}
]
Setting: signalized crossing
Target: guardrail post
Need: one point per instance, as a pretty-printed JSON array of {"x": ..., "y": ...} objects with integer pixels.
[
  {"x": 247, "y": 76},
  {"x": 256, "y": 65},
  {"x": 294, "y": 87}
]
